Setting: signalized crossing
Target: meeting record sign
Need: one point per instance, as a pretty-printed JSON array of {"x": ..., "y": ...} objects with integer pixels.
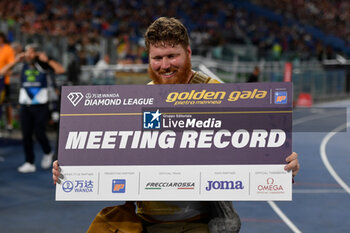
[{"x": 175, "y": 142}]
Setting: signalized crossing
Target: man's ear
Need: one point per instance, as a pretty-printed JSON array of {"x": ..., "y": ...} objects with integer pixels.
[{"x": 189, "y": 51}]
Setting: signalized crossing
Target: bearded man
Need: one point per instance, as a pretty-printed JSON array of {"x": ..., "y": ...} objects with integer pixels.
[{"x": 169, "y": 52}]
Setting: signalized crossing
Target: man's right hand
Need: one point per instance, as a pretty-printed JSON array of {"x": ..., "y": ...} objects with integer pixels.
[
  {"x": 56, "y": 173},
  {"x": 20, "y": 57}
]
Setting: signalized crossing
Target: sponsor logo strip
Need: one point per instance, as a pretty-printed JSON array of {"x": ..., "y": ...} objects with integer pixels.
[{"x": 203, "y": 182}]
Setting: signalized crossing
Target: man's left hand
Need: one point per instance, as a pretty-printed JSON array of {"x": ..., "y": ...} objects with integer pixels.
[{"x": 43, "y": 57}]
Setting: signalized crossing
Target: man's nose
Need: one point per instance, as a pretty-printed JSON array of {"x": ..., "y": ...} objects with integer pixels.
[{"x": 165, "y": 63}]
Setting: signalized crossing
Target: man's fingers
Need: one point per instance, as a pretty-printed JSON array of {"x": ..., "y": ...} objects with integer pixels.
[
  {"x": 291, "y": 165},
  {"x": 294, "y": 166},
  {"x": 56, "y": 173},
  {"x": 296, "y": 170},
  {"x": 292, "y": 157},
  {"x": 55, "y": 180}
]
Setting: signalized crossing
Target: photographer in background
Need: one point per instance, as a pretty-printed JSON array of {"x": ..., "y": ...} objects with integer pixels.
[{"x": 36, "y": 76}]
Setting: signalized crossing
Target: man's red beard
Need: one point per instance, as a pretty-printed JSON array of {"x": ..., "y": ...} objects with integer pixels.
[{"x": 182, "y": 75}]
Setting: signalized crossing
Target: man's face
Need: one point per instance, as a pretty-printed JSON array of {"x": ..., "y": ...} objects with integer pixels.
[
  {"x": 169, "y": 64},
  {"x": 30, "y": 54}
]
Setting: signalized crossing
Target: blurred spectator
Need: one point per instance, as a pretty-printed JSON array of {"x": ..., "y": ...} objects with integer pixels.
[
  {"x": 7, "y": 55},
  {"x": 276, "y": 50},
  {"x": 101, "y": 73},
  {"x": 101, "y": 65},
  {"x": 254, "y": 77},
  {"x": 17, "y": 47},
  {"x": 92, "y": 49},
  {"x": 73, "y": 69}
]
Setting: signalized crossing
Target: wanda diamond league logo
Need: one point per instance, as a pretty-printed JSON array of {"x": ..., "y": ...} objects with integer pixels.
[{"x": 75, "y": 97}]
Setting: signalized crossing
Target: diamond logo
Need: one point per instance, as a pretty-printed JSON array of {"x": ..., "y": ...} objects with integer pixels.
[{"x": 75, "y": 97}]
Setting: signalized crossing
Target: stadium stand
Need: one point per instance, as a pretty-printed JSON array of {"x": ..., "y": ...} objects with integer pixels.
[{"x": 279, "y": 29}]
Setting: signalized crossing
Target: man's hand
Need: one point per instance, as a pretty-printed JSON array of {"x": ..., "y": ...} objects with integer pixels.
[
  {"x": 56, "y": 173},
  {"x": 293, "y": 163},
  {"x": 42, "y": 57},
  {"x": 7, "y": 68},
  {"x": 19, "y": 57}
]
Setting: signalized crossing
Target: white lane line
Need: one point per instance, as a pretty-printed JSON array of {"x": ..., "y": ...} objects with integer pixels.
[
  {"x": 325, "y": 158},
  {"x": 318, "y": 191},
  {"x": 285, "y": 219}
]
